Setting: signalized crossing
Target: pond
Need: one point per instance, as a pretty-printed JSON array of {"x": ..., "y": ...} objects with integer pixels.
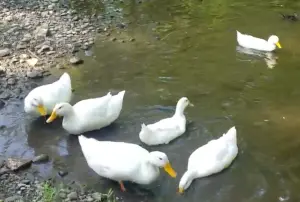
[{"x": 176, "y": 48}]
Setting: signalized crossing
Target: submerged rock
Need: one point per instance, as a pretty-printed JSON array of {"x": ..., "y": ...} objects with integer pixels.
[{"x": 62, "y": 173}]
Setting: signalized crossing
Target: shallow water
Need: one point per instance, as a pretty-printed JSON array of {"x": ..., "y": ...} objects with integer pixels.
[{"x": 187, "y": 48}]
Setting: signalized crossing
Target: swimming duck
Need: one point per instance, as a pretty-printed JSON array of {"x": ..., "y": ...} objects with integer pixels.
[
  {"x": 42, "y": 99},
  {"x": 211, "y": 158},
  {"x": 90, "y": 114},
  {"x": 166, "y": 130},
  {"x": 120, "y": 161},
  {"x": 248, "y": 41}
]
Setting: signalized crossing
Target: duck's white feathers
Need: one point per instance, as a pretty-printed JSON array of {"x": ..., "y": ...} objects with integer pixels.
[
  {"x": 215, "y": 155},
  {"x": 50, "y": 94},
  {"x": 118, "y": 161},
  {"x": 93, "y": 114},
  {"x": 251, "y": 42},
  {"x": 163, "y": 131}
]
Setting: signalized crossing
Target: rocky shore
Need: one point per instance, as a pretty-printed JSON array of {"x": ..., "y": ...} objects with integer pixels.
[
  {"x": 37, "y": 35},
  {"x": 19, "y": 183}
]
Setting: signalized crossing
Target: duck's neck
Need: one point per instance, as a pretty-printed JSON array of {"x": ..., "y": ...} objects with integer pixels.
[
  {"x": 70, "y": 117},
  {"x": 179, "y": 110},
  {"x": 187, "y": 179},
  {"x": 149, "y": 172}
]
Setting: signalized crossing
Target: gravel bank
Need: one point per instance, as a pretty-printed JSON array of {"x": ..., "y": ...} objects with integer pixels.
[{"x": 18, "y": 182}]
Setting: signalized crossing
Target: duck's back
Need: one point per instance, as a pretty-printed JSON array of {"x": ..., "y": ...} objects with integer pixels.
[
  {"x": 213, "y": 157},
  {"x": 249, "y": 41}
]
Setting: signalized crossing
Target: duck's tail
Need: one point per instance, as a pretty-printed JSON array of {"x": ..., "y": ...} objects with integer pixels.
[
  {"x": 145, "y": 128},
  {"x": 117, "y": 101},
  {"x": 65, "y": 79},
  {"x": 230, "y": 135}
]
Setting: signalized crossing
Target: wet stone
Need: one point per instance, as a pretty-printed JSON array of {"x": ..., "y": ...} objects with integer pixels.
[
  {"x": 62, "y": 173},
  {"x": 40, "y": 158},
  {"x": 72, "y": 196},
  {"x": 75, "y": 60},
  {"x": 16, "y": 163}
]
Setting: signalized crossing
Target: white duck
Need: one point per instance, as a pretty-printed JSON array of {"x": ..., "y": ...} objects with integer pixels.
[
  {"x": 42, "y": 99},
  {"x": 251, "y": 42},
  {"x": 211, "y": 158},
  {"x": 90, "y": 114},
  {"x": 166, "y": 130},
  {"x": 122, "y": 161}
]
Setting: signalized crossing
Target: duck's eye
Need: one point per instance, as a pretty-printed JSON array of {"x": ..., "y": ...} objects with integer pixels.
[
  {"x": 160, "y": 158},
  {"x": 60, "y": 107}
]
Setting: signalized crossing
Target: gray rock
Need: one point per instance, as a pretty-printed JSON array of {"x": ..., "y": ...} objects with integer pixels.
[
  {"x": 62, "y": 173},
  {"x": 62, "y": 195},
  {"x": 5, "y": 95},
  {"x": 40, "y": 158},
  {"x": 50, "y": 52},
  {"x": 54, "y": 1},
  {"x": 2, "y": 104},
  {"x": 13, "y": 199},
  {"x": 42, "y": 31},
  {"x": 89, "y": 199},
  {"x": 3, "y": 171},
  {"x": 72, "y": 196},
  {"x": 21, "y": 185},
  {"x": 2, "y": 70},
  {"x": 97, "y": 196},
  {"x": 11, "y": 81},
  {"x": 26, "y": 182},
  {"x": 44, "y": 48},
  {"x": 4, "y": 52},
  {"x": 75, "y": 60},
  {"x": 21, "y": 46},
  {"x": 26, "y": 38},
  {"x": 2, "y": 160},
  {"x": 17, "y": 164},
  {"x": 34, "y": 74}
]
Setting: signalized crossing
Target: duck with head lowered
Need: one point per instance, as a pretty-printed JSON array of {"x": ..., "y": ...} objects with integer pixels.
[
  {"x": 90, "y": 114},
  {"x": 210, "y": 158},
  {"x": 166, "y": 130},
  {"x": 42, "y": 99}
]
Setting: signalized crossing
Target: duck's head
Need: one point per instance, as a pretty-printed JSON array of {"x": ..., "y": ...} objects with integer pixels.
[
  {"x": 37, "y": 102},
  {"x": 161, "y": 160},
  {"x": 183, "y": 103},
  {"x": 60, "y": 109},
  {"x": 274, "y": 40}
]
